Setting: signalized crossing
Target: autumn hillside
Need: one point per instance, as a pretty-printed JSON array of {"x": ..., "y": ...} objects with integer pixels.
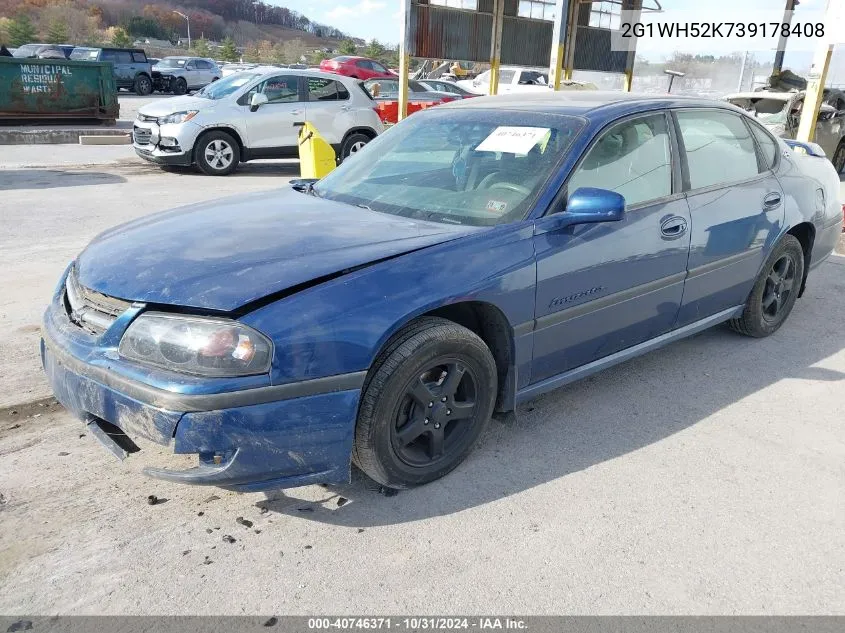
[{"x": 258, "y": 30}]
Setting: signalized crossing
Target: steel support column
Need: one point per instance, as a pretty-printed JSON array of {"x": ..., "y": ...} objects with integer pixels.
[
  {"x": 496, "y": 45},
  {"x": 559, "y": 34},
  {"x": 815, "y": 84},
  {"x": 404, "y": 60}
]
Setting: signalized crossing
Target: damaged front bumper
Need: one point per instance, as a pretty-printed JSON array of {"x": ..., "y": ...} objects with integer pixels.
[{"x": 272, "y": 436}]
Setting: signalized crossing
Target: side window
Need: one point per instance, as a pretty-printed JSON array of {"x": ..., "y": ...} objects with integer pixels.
[
  {"x": 719, "y": 147},
  {"x": 767, "y": 144},
  {"x": 378, "y": 67},
  {"x": 139, "y": 57},
  {"x": 632, "y": 158},
  {"x": 363, "y": 63},
  {"x": 506, "y": 76},
  {"x": 108, "y": 56},
  {"x": 280, "y": 89},
  {"x": 123, "y": 57},
  {"x": 320, "y": 89},
  {"x": 191, "y": 66}
]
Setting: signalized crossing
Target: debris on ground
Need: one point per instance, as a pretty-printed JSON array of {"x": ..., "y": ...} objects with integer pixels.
[
  {"x": 229, "y": 538},
  {"x": 258, "y": 531},
  {"x": 64, "y": 454},
  {"x": 13, "y": 427},
  {"x": 360, "y": 530},
  {"x": 305, "y": 509},
  {"x": 264, "y": 510},
  {"x": 154, "y": 501},
  {"x": 211, "y": 498},
  {"x": 81, "y": 435},
  {"x": 244, "y": 522},
  {"x": 208, "y": 530},
  {"x": 207, "y": 561},
  {"x": 341, "y": 501},
  {"x": 186, "y": 552},
  {"x": 20, "y": 625},
  {"x": 199, "y": 514},
  {"x": 272, "y": 621},
  {"x": 309, "y": 547}
]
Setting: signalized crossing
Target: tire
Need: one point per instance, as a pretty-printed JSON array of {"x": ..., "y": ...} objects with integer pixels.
[
  {"x": 179, "y": 86},
  {"x": 217, "y": 153},
  {"x": 143, "y": 85},
  {"x": 403, "y": 441},
  {"x": 838, "y": 159},
  {"x": 353, "y": 143},
  {"x": 775, "y": 291}
]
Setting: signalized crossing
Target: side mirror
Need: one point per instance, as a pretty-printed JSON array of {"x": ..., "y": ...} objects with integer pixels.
[
  {"x": 257, "y": 100},
  {"x": 586, "y": 205}
]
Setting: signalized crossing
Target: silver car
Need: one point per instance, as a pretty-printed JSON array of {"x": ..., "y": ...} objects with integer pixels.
[
  {"x": 188, "y": 73},
  {"x": 255, "y": 114}
]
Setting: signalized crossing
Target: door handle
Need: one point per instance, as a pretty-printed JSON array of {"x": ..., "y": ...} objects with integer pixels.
[
  {"x": 296, "y": 112},
  {"x": 345, "y": 108},
  {"x": 673, "y": 227},
  {"x": 772, "y": 200},
  {"x": 298, "y": 123}
]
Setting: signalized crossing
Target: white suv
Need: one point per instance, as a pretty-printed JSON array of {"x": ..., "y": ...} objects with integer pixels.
[{"x": 255, "y": 114}]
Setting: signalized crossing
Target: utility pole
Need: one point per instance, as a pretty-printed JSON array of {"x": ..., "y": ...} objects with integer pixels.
[
  {"x": 742, "y": 72},
  {"x": 188, "y": 20}
]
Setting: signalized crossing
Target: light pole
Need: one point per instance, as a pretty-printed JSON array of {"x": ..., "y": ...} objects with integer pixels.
[{"x": 188, "y": 20}]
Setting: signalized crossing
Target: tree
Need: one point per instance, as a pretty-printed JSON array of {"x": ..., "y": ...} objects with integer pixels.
[
  {"x": 315, "y": 57},
  {"x": 374, "y": 49},
  {"x": 294, "y": 50},
  {"x": 252, "y": 54},
  {"x": 57, "y": 33},
  {"x": 347, "y": 47},
  {"x": 21, "y": 31},
  {"x": 229, "y": 52},
  {"x": 201, "y": 48},
  {"x": 121, "y": 39}
]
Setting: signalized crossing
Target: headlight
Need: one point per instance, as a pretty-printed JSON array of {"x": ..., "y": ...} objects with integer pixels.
[
  {"x": 196, "y": 345},
  {"x": 178, "y": 117}
]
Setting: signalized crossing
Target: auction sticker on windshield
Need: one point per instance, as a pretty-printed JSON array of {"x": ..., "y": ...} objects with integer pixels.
[{"x": 512, "y": 140}]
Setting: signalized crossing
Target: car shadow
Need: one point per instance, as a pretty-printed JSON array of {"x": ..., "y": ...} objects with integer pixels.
[
  {"x": 608, "y": 415},
  {"x": 54, "y": 178},
  {"x": 268, "y": 168}
]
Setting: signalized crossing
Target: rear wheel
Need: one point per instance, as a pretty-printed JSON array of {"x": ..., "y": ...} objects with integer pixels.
[
  {"x": 838, "y": 159},
  {"x": 353, "y": 144},
  {"x": 217, "y": 153},
  {"x": 143, "y": 85},
  {"x": 180, "y": 86},
  {"x": 775, "y": 291},
  {"x": 427, "y": 399}
]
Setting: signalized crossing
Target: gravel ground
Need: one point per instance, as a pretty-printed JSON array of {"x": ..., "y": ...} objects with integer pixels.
[{"x": 706, "y": 478}]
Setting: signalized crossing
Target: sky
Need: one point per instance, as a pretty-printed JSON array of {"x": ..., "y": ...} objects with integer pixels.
[{"x": 380, "y": 19}]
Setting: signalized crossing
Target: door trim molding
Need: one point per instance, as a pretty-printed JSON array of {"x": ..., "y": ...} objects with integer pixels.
[
  {"x": 532, "y": 391},
  {"x": 698, "y": 271},
  {"x": 567, "y": 314}
]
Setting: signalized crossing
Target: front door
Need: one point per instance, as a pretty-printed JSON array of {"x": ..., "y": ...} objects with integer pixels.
[
  {"x": 736, "y": 204},
  {"x": 604, "y": 287},
  {"x": 273, "y": 128}
]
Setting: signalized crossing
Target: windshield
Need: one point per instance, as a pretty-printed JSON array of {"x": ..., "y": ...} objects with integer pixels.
[
  {"x": 473, "y": 167},
  {"x": 84, "y": 53},
  {"x": 27, "y": 50},
  {"x": 172, "y": 62},
  {"x": 226, "y": 86},
  {"x": 768, "y": 111}
]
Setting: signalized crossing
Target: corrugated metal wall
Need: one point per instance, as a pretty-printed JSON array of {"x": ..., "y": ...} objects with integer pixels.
[
  {"x": 592, "y": 51},
  {"x": 441, "y": 33}
]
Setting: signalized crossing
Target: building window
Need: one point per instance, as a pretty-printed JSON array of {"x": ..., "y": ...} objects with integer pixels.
[
  {"x": 470, "y": 5},
  {"x": 536, "y": 9},
  {"x": 605, "y": 14}
]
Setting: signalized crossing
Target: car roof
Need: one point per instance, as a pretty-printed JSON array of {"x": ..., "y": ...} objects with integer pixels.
[
  {"x": 264, "y": 71},
  {"x": 589, "y": 103},
  {"x": 763, "y": 94}
]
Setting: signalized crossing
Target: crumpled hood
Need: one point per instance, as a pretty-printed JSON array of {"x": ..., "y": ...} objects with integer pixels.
[
  {"x": 224, "y": 254},
  {"x": 163, "y": 107}
]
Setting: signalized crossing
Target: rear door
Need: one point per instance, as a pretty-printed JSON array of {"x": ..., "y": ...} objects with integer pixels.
[
  {"x": 736, "y": 205},
  {"x": 329, "y": 108},
  {"x": 273, "y": 128},
  {"x": 604, "y": 287}
]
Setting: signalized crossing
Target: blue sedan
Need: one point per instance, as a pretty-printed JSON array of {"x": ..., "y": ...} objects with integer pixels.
[{"x": 471, "y": 258}]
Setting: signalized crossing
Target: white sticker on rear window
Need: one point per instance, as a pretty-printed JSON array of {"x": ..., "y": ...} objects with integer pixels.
[{"x": 513, "y": 140}]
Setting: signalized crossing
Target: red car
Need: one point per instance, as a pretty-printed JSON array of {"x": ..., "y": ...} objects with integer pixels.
[{"x": 357, "y": 67}]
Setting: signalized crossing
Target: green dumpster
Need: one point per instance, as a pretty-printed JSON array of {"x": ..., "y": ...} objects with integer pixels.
[{"x": 56, "y": 89}]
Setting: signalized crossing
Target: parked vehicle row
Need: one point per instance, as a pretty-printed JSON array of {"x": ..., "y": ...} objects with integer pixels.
[
  {"x": 781, "y": 112},
  {"x": 480, "y": 254},
  {"x": 255, "y": 114}
]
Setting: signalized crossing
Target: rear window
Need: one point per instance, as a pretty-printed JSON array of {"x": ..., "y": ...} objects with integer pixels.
[
  {"x": 342, "y": 58},
  {"x": 321, "y": 89}
]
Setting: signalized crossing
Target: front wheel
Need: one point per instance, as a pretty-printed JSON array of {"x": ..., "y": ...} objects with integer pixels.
[
  {"x": 180, "y": 86},
  {"x": 427, "y": 399},
  {"x": 775, "y": 291},
  {"x": 217, "y": 153},
  {"x": 838, "y": 159},
  {"x": 353, "y": 144}
]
